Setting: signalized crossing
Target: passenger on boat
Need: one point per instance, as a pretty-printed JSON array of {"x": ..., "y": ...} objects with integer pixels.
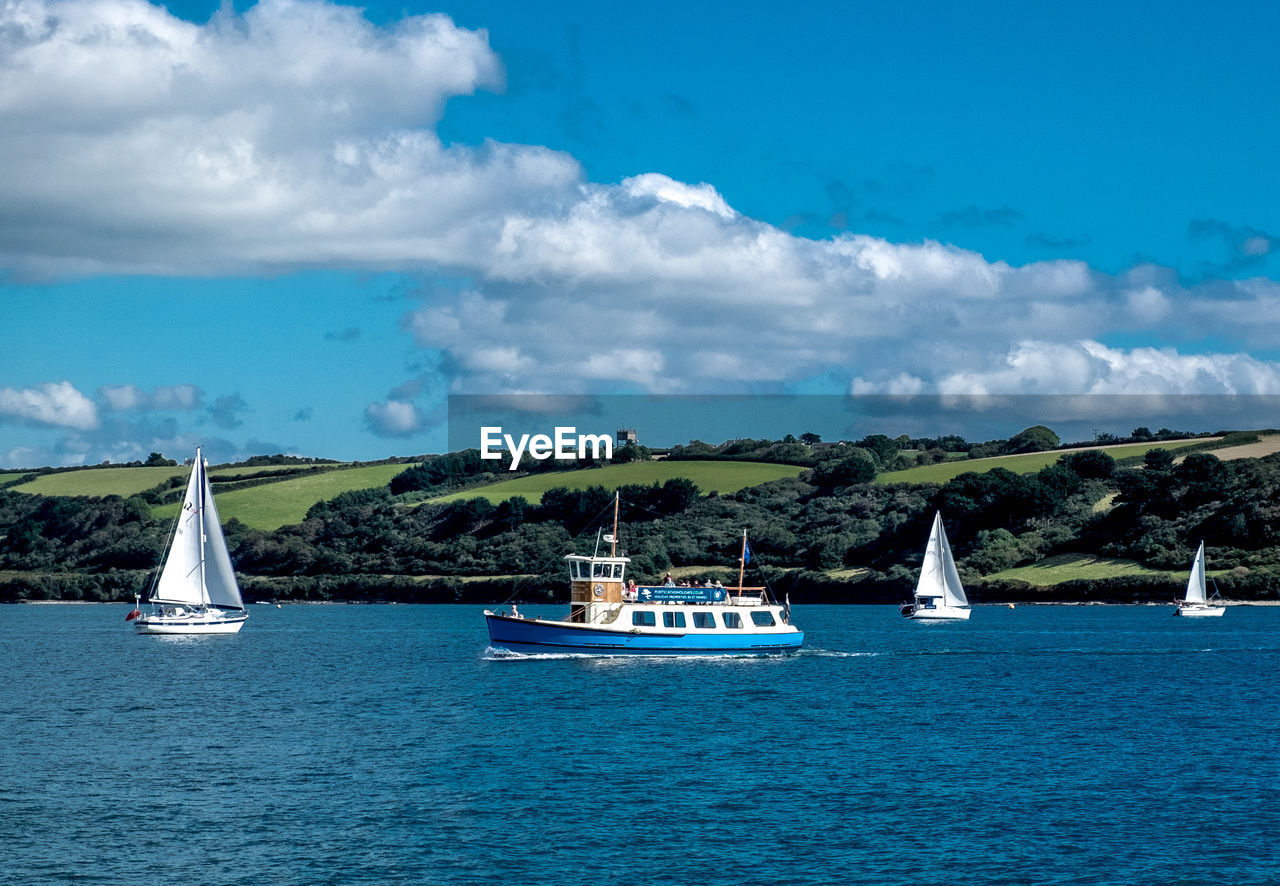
[
  {"x": 515, "y": 613},
  {"x": 630, "y": 594},
  {"x": 669, "y": 582}
]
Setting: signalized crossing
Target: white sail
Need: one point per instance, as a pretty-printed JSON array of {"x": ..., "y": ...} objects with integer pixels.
[
  {"x": 219, "y": 576},
  {"x": 1195, "y": 582},
  {"x": 198, "y": 570},
  {"x": 939, "y": 577},
  {"x": 180, "y": 579}
]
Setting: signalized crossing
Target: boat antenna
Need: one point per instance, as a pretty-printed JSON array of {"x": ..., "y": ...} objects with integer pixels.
[
  {"x": 596, "y": 552},
  {"x": 742, "y": 560},
  {"x": 613, "y": 539}
]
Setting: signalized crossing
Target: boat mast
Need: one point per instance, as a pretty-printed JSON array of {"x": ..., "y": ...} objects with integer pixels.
[
  {"x": 742, "y": 561},
  {"x": 613, "y": 539},
  {"x": 204, "y": 590}
]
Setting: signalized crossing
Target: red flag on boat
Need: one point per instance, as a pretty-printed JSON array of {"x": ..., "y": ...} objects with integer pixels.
[{"x": 132, "y": 615}]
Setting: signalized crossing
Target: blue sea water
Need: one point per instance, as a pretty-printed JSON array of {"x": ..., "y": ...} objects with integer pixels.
[{"x": 379, "y": 744}]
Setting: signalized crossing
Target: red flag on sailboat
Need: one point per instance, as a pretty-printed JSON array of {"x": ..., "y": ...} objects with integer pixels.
[{"x": 132, "y": 615}]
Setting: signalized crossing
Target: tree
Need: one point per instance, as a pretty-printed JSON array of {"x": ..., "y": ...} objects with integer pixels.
[
  {"x": 1089, "y": 464},
  {"x": 1036, "y": 438},
  {"x": 859, "y": 467},
  {"x": 809, "y": 438},
  {"x": 631, "y": 452},
  {"x": 156, "y": 460},
  {"x": 1158, "y": 460},
  {"x": 882, "y": 447}
]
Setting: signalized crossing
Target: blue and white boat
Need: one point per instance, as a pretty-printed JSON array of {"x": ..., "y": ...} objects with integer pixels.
[{"x": 610, "y": 616}]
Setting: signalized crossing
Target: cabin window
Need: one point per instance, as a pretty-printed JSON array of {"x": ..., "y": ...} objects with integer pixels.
[
  {"x": 762, "y": 619},
  {"x": 600, "y": 570},
  {"x": 704, "y": 620},
  {"x": 673, "y": 619},
  {"x": 573, "y": 569},
  {"x": 644, "y": 619},
  {"x": 617, "y": 570},
  {"x": 732, "y": 620}
]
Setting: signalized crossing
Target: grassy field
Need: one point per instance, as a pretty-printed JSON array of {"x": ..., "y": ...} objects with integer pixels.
[
  {"x": 98, "y": 482},
  {"x": 1027, "y": 463},
  {"x": 286, "y": 502},
  {"x": 215, "y": 473},
  {"x": 710, "y": 476},
  {"x": 5, "y": 478},
  {"x": 1066, "y": 567}
]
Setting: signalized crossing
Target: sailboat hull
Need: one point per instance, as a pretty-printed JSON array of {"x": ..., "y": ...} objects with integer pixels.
[
  {"x": 939, "y": 613},
  {"x": 195, "y": 624},
  {"x": 1200, "y": 611}
]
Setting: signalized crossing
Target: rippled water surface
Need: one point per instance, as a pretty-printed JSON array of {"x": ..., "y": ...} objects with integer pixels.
[{"x": 379, "y": 744}]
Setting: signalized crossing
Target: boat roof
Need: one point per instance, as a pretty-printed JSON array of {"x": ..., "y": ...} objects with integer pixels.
[{"x": 597, "y": 559}]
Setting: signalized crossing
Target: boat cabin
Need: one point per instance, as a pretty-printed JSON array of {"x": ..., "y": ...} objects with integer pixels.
[{"x": 594, "y": 580}]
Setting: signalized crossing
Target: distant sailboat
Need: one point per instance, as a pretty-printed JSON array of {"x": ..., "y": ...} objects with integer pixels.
[
  {"x": 939, "y": 594},
  {"x": 1196, "y": 603},
  {"x": 196, "y": 592}
]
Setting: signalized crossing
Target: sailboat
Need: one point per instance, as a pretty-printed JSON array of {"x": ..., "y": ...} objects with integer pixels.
[
  {"x": 1196, "y": 603},
  {"x": 939, "y": 594},
  {"x": 196, "y": 591}
]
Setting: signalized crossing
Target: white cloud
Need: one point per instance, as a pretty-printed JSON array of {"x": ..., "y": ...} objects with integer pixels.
[
  {"x": 298, "y": 134},
  {"x": 1088, "y": 367},
  {"x": 23, "y": 457},
  {"x": 393, "y": 418},
  {"x": 668, "y": 190},
  {"x": 52, "y": 404},
  {"x": 129, "y": 398}
]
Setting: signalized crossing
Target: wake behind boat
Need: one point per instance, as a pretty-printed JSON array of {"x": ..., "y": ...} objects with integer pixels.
[
  {"x": 196, "y": 591},
  {"x": 1196, "y": 603},
  {"x": 610, "y": 616},
  {"x": 939, "y": 594}
]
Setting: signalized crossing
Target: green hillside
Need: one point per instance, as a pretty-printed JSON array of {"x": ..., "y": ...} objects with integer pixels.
[
  {"x": 97, "y": 482},
  {"x": 1068, "y": 567},
  {"x": 710, "y": 476},
  {"x": 1027, "y": 463},
  {"x": 287, "y": 501}
]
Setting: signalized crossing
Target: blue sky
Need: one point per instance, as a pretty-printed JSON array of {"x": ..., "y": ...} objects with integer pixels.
[{"x": 298, "y": 226}]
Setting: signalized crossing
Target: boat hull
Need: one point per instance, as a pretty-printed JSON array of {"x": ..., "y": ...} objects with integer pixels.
[
  {"x": 165, "y": 624},
  {"x": 938, "y": 613},
  {"x": 533, "y": 636},
  {"x": 1199, "y": 611}
]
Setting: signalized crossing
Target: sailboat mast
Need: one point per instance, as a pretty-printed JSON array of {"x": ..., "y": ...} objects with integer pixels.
[
  {"x": 204, "y": 590},
  {"x": 613, "y": 544}
]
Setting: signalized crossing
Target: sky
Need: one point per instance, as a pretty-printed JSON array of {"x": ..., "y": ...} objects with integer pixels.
[{"x": 300, "y": 226}]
